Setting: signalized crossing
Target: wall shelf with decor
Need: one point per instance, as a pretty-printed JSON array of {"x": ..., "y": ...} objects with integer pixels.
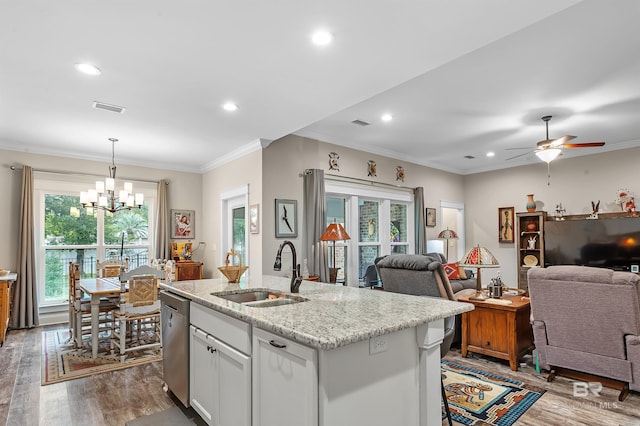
[{"x": 530, "y": 244}]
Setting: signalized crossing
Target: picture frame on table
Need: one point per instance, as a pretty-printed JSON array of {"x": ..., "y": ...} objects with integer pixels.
[
  {"x": 430, "y": 220},
  {"x": 286, "y": 212},
  {"x": 254, "y": 219},
  {"x": 183, "y": 224},
  {"x": 506, "y": 232}
]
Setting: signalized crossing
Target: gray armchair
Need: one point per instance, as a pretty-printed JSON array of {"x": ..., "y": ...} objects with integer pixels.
[
  {"x": 587, "y": 320},
  {"x": 420, "y": 275}
]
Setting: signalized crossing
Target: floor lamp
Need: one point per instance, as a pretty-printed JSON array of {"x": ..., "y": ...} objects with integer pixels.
[
  {"x": 479, "y": 257},
  {"x": 334, "y": 232},
  {"x": 447, "y": 235}
]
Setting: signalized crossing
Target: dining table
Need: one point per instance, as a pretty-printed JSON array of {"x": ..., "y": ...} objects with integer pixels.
[{"x": 98, "y": 288}]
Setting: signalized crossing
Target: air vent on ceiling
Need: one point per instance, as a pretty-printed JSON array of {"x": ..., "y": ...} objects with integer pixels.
[
  {"x": 108, "y": 107},
  {"x": 360, "y": 123},
  {"x": 470, "y": 157}
]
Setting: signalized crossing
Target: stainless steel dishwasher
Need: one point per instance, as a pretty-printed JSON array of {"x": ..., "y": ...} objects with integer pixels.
[{"x": 175, "y": 344}]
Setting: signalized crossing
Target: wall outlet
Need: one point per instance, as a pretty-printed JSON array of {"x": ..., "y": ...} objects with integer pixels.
[{"x": 378, "y": 345}]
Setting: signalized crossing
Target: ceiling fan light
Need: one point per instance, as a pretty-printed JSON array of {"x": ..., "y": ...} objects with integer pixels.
[{"x": 548, "y": 155}]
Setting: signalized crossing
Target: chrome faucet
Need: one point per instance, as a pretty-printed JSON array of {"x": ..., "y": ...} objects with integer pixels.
[{"x": 296, "y": 279}]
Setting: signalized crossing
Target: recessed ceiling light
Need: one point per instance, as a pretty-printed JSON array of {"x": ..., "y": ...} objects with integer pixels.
[
  {"x": 88, "y": 69},
  {"x": 230, "y": 106},
  {"x": 490, "y": 154},
  {"x": 322, "y": 38},
  {"x": 387, "y": 117}
]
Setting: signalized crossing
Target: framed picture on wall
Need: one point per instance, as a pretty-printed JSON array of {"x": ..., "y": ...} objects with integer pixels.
[
  {"x": 183, "y": 224},
  {"x": 254, "y": 219},
  {"x": 431, "y": 217},
  {"x": 286, "y": 218},
  {"x": 505, "y": 224}
]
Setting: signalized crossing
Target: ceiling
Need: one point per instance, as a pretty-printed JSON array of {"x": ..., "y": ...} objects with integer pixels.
[{"x": 460, "y": 78}]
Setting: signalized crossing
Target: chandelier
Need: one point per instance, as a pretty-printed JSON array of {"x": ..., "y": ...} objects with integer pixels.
[{"x": 104, "y": 195}]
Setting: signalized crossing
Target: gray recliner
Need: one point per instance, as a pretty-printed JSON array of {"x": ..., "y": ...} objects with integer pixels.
[{"x": 420, "y": 275}]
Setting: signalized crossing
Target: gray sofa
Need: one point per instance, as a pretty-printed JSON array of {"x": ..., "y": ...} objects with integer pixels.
[{"x": 587, "y": 320}]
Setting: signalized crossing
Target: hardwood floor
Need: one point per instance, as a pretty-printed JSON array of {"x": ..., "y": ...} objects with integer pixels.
[{"x": 116, "y": 397}]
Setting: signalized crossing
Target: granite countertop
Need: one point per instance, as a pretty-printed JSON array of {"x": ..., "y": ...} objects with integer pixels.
[{"x": 333, "y": 316}]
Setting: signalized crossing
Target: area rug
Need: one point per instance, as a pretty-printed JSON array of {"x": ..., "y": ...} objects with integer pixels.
[
  {"x": 477, "y": 395},
  {"x": 60, "y": 361}
]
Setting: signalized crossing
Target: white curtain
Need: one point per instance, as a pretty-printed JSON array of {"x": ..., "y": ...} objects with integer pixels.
[
  {"x": 162, "y": 240},
  {"x": 315, "y": 220},
  {"x": 24, "y": 313}
]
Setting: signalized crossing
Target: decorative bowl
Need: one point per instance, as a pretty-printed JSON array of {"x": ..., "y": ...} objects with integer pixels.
[
  {"x": 530, "y": 260},
  {"x": 3, "y": 272}
]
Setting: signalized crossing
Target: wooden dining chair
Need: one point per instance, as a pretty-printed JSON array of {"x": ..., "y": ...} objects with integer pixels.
[
  {"x": 136, "y": 324},
  {"x": 80, "y": 309},
  {"x": 111, "y": 268}
]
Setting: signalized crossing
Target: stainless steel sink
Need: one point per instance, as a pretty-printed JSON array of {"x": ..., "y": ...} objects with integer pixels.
[{"x": 261, "y": 298}]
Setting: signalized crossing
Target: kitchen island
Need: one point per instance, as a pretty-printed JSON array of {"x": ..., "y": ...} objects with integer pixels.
[{"x": 344, "y": 356}]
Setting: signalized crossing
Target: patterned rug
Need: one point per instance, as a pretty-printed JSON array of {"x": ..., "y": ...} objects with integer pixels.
[
  {"x": 476, "y": 395},
  {"x": 60, "y": 361}
]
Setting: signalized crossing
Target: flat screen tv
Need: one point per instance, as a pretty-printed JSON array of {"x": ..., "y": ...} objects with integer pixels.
[{"x": 608, "y": 243}]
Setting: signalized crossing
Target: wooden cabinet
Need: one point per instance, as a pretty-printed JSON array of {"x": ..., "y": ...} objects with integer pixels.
[
  {"x": 500, "y": 331},
  {"x": 530, "y": 244},
  {"x": 220, "y": 375},
  {"x": 5, "y": 304},
  {"x": 285, "y": 381},
  {"x": 188, "y": 271}
]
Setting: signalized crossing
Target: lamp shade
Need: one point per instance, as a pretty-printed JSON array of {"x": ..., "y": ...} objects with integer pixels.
[
  {"x": 548, "y": 155},
  {"x": 447, "y": 234},
  {"x": 334, "y": 232},
  {"x": 479, "y": 257}
]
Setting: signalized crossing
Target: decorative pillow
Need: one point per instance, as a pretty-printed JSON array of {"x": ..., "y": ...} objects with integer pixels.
[
  {"x": 455, "y": 272},
  {"x": 452, "y": 270}
]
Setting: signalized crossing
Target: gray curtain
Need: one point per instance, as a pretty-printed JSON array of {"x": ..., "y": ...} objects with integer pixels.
[
  {"x": 315, "y": 220},
  {"x": 24, "y": 313},
  {"x": 162, "y": 239},
  {"x": 421, "y": 230}
]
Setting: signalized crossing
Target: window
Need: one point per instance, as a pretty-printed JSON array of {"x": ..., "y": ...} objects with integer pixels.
[
  {"x": 234, "y": 205},
  {"x": 379, "y": 221},
  {"x": 67, "y": 232}
]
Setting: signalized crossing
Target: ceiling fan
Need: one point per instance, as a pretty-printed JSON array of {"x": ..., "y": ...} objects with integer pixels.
[{"x": 549, "y": 149}]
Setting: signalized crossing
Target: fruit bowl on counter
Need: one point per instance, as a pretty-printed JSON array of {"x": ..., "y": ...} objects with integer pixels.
[
  {"x": 233, "y": 273},
  {"x": 4, "y": 272}
]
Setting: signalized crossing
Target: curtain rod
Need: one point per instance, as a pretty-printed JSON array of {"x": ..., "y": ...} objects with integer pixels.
[
  {"x": 370, "y": 182},
  {"x": 14, "y": 168}
]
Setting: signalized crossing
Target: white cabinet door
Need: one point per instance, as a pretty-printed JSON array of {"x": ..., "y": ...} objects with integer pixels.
[
  {"x": 202, "y": 373},
  {"x": 232, "y": 384},
  {"x": 285, "y": 382},
  {"x": 220, "y": 381}
]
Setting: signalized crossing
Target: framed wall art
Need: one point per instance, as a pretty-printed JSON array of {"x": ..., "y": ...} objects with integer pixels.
[
  {"x": 254, "y": 219},
  {"x": 505, "y": 224},
  {"x": 183, "y": 224},
  {"x": 286, "y": 218},
  {"x": 431, "y": 217}
]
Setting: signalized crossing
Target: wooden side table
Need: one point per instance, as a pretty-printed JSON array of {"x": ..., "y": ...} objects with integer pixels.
[
  {"x": 500, "y": 331},
  {"x": 5, "y": 303}
]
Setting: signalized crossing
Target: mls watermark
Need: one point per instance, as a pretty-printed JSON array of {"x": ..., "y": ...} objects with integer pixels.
[{"x": 589, "y": 390}]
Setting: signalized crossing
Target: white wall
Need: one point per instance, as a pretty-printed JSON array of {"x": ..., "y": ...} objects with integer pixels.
[
  {"x": 575, "y": 182},
  {"x": 244, "y": 171},
  {"x": 184, "y": 192}
]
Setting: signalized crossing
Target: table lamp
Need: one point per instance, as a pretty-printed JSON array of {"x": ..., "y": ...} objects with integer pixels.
[
  {"x": 334, "y": 232},
  {"x": 479, "y": 257},
  {"x": 447, "y": 235}
]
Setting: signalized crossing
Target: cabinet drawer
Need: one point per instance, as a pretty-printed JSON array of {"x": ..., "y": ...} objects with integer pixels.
[{"x": 230, "y": 330}]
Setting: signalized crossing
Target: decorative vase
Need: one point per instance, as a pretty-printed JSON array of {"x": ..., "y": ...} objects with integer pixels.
[
  {"x": 532, "y": 226},
  {"x": 531, "y": 204}
]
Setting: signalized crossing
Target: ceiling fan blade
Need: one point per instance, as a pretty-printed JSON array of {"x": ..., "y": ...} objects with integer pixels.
[
  {"x": 517, "y": 156},
  {"x": 522, "y": 147},
  {"x": 561, "y": 140},
  {"x": 583, "y": 145}
]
